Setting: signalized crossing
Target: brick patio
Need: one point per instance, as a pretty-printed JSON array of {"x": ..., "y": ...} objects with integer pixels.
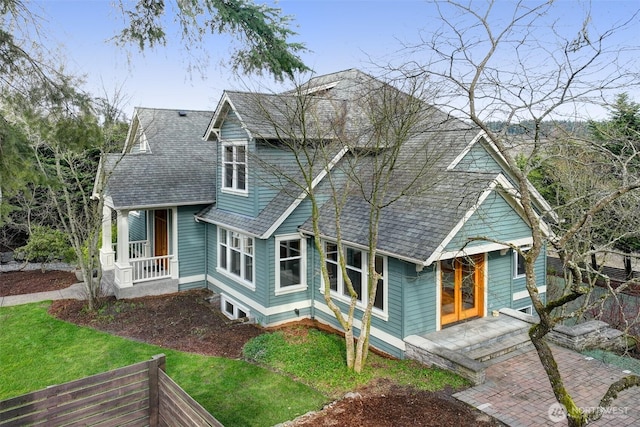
[{"x": 518, "y": 393}]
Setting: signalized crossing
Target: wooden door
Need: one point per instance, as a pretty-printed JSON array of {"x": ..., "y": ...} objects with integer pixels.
[
  {"x": 161, "y": 235},
  {"x": 461, "y": 289}
]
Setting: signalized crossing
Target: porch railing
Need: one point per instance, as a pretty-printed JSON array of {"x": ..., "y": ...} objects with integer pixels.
[
  {"x": 153, "y": 268},
  {"x": 137, "y": 249}
]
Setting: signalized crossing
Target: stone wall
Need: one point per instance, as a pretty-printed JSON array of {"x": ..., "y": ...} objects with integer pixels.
[{"x": 588, "y": 335}]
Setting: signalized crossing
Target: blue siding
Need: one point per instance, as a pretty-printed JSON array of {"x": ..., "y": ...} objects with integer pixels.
[
  {"x": 191, "y": 244},
  {"x": 478, "y": 159},
  {"x": 273, "y": 172},
  {"x": 495, "y": 219},
  {"x": 499, "y": 280},
  {"x": 419, "y": 300},
  {"x": 138, "y": 226}
]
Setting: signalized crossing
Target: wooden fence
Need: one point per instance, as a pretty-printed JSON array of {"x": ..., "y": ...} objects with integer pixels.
[{"x": 136, "y": 395}]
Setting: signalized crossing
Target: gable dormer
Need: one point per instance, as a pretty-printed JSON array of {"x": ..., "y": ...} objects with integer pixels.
[{"x": 137, "y": 140}]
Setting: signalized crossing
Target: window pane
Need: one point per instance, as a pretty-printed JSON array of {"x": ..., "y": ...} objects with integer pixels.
[
  {"x": 380, "y": 265},
  {"x": 354, "y": 258},
  {"x": 228, "y": 153},
  {"x": 241, "y": 154},
  {"x": 223, "y": 235},
  {"x": 223, "y": 257},
  {"x": 379, "y": 301},
  {"x": 248, "y": 245},
  {"x": 331, "y": 251},
  {"x": 248, "y": 268},
  {"x": 242, "y": 177},
  {"x": 235, "y": 240},
  {"x": 289, "y": 273},
  {"x": 356, "y": 281},
  {"x": 235, "y": 263},
  {"x": 228, "y": 307},
  {"x": 521, "y": 269},
  {"x": 241, "y": 314},
  {"x": 333, "y": 276},
  {"x": 289, "y": 249},
  {"x": 228, "y": 176}
]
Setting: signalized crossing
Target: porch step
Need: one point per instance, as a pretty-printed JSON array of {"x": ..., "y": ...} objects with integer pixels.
[{"x": 499, "y": 347}]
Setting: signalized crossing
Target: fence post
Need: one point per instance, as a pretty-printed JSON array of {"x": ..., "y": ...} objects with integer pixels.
[{"x": 156, "y": 362}]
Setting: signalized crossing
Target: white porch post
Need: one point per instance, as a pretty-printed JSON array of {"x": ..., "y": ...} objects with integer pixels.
[
  {"x": 174, "y": 243},
  {"x": 124, "y": 271},
  {"x": 107, "y": 255}
]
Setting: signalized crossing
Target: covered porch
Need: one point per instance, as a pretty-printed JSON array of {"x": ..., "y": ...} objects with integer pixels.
[{"x": 145, "y": 248}]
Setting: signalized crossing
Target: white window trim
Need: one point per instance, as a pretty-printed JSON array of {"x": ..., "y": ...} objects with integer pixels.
[
  {"x": 224, "y": 299},
  {"x": 222, "y": 270},
  {"x": 143, "y": 146},
  {"x": 338, "y": 295},
  {"x": 303, "y": 264},
  {"x": 516, "y": 255},
  {"x": 234, "y": 190}
]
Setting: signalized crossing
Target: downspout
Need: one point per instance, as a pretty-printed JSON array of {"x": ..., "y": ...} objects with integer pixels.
[{"x": 312, "y": 311}]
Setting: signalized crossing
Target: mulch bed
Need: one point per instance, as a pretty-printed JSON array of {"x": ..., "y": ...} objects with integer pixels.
[
  {"x": 28, "y": 282},
  {"x": 187, "y": 321}
]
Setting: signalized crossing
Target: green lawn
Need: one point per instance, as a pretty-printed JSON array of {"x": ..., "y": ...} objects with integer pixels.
[{"x": 37, "y": 350}]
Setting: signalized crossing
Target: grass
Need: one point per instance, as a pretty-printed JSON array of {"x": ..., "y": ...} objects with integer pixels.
[
  {"x": 37, "y": 350},
  {"x": 292, "y": 373},
  {"x": 317, "y": 359}
]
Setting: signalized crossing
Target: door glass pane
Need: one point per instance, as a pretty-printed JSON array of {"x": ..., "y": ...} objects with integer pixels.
[
  {"x": 468, "y": 286},
  {"x": 448, "y": 287}
]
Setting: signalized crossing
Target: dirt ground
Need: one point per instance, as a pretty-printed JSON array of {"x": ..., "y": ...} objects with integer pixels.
[
  {"x": 187, "y": 321},
  {"x": 26, "y": 282}
]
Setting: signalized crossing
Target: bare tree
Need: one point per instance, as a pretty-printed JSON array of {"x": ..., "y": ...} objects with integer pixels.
[
  {"x": 528, "y": 63},
  {"x": 67, "y": 140},
  {"x": 356, "y": 153}
]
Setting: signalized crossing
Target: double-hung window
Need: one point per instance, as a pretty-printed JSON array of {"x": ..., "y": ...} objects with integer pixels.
[
  {"x": 235, "y": 254},
  {"x": 234, "y": 166},
  {"x": 290, "y": 264},
  {"x": 357, "y": 270}
]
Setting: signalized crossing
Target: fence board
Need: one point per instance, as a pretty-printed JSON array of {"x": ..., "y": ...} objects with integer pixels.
[
  {"x": 182, "y": 401},
  {"x": 112, "y": 413},
  {"x": 48, "y": 392},
  {"x": 137, "y": 395},
  {"x": 59, "y": 404}
]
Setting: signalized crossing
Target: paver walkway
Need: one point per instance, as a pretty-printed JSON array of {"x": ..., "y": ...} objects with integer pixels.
[{"x": 518, "y": 393}]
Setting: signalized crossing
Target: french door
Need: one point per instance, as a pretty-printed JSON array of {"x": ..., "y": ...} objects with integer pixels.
[{"x": 461, "y": 289}]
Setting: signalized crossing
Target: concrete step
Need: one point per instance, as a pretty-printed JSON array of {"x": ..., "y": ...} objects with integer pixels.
[
  {"x": 499, "y": 347},
  {"x": 498, "y": 336}
]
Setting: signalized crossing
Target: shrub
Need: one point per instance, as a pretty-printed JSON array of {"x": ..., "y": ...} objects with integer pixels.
[{"x": 45, "y": 245}]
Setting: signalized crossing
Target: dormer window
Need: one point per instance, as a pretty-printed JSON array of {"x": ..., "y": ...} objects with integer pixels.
[
  {"x": 144, "y": 143},
  {"x": 234, "y": 166}
]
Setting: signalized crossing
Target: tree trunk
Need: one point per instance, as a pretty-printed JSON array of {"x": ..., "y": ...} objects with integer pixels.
[{"x": 628, "y": 270}]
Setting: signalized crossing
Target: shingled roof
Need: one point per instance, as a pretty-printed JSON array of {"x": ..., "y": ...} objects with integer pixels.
[{"x": 179, "y": 168}]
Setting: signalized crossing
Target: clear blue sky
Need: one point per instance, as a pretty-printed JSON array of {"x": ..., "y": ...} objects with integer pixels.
[{"x": 339, "y": 34}]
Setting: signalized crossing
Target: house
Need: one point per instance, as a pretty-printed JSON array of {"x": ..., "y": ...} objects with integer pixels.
[{"x": 214, "y": 199}]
